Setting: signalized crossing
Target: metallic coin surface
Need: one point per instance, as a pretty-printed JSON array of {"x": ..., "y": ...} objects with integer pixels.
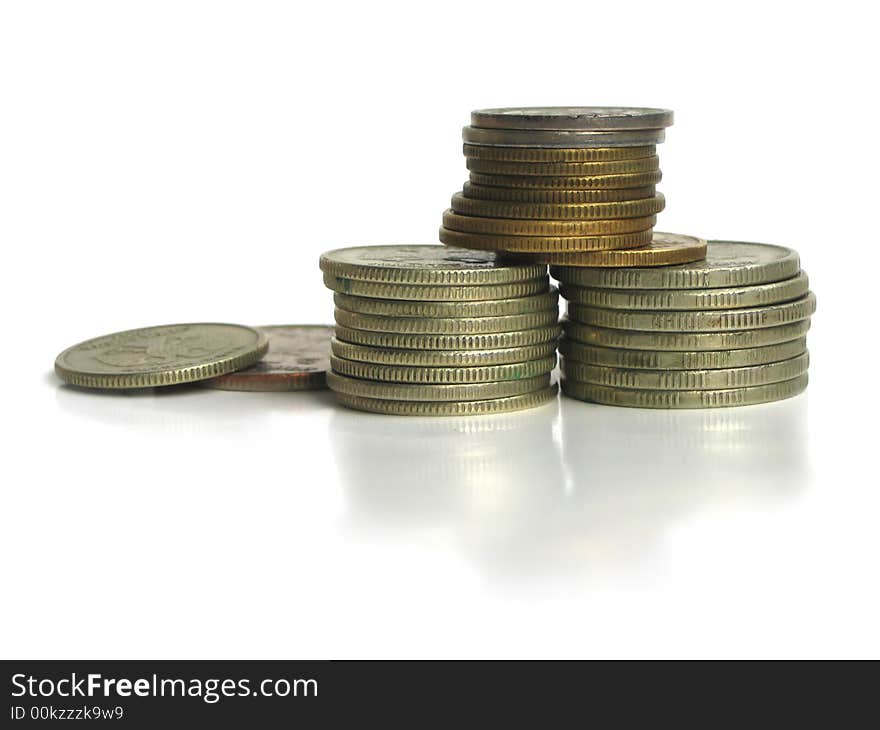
[
  {"x": 727, "y": 264},
  {"x": 565, "y": 169},
  {"x": 663, "y": 249},
  {"x": 524, "y": 227},
  {"x": 572, "y": 117},
  {"x": 442, "y": 358},
  {"x": 488, "y": 341},
  {"x": 557, "y": 154},
  {"x": 529, "y": 195},
  {"x": 598, "y": 182},
  {"x": 419, "y": 265},
  {"x": 464, "y": 408},
  {"x": 545, "y": 245},
  {"x": 696, "y": 320},
  {"x": 758, "y": 295},
  {"x": 556, "y": 138},
  {"x": 446, "y": 325},
  {"x": 684, "y": 398},
  {"x": 558, "y": 211},
  {"x": 488, "y": 308},
  {"x": 684, "y": 341},
  {"x": 720, "y": 379},
  {"x": 695, "y": 360},
  {"x": 298, "y": 359},
  {"x": 446, "y": 392},
  {"x": 439, "y": 375},
  {"x": 158, "y": 356},
  {"x": 429, "y": 293}
]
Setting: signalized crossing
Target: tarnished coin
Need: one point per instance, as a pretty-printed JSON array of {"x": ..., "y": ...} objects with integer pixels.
[
  {"x": 446, "y": 325},
  {"x": 727, "y": 264},
  {"x": 557, "y": 154},
  {"x": 545, "y": 246},
  {"x": 663, "y": 249},
  {"x": 684, "y": 341},
  {"x": 597, "y": 182},
  {"x": 684, "y": 398},
  {"x": 721, "y": 379},
  {"x": 442, "y": 358},
  {"x": 420, "y": 265},
  {"x": 488, "y": 308},
  {"x": 298, "y": 359},
  {"x": 439, "y": 375},
  {"x": 565, "y": 169},
  {"x": 489, "y": 341},
  {"x": 759, "y": 295},
  {"x": 464, "y": 392},
  {"x": 464, "y": 408},
  {"x": 695, "y": 360},
  {"x": 530, "y": 195},
  {"x": 697, "y": 320},
  {"x": 430, "y": 293},
  {"x": 157, "y": 356},
  {"x": 558, "y": 211},
  {"x": 524, "y": 227},
  {"x": 555, "y": 138},
  {"x": 572, "y": 117}
]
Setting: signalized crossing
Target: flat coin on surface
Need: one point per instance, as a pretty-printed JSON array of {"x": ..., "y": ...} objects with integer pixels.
[
  {"x": 572, "y": 117},
  {"x": 663, "y": 249},
  {"x": 439, "y": 408}
]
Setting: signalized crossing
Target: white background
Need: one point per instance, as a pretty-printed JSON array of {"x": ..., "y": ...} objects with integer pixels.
[{"x": 188, "y": 161}]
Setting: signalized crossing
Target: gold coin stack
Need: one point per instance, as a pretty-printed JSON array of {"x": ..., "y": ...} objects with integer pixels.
[
  {"x": 726, "y": 331},
  {"x": 437, "y": 331}
]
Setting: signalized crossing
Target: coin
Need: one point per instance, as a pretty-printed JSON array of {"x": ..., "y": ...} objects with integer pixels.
[
  {"x": 439, "y": 375},
  {"x": 684, "y": 341},
  {"x": 446, "y": 392},
  {"x": 158, "y": 356},
  {"x": 446, "y": 325},
  {"x": 527, "y": 195},
  {"x": 545, "y": 245},
  {"x": 554, "y": 138},
  {"x": 572, "y": 117},
  {"x": 420, "y": 265},
  {"x": 684, "y": 398},
  {"x": 662, "y": 250},
  {"x": 428, "y": 293},
  {"x": 557, "y": 154},
  {"x": 565, "y": 169},
  {"x": 488, "y": 308},
  {"x": 720, "y": 379},
  {"x": 697, "y": 320},
  {"x": 489, "y": 341},
  {"x": 465, "y": 408},
  {"x": 758, "y": 295},
  {"x": 524, "y": 227},
  {"x": 597, "y": 182},
  {"x": 727, "y": 264},
  {"x": 558, "y": 211},
  {"x": 442, "y": 358},
  {"x": 696, "y": 360},
  {"x": 298, "y": 359}
]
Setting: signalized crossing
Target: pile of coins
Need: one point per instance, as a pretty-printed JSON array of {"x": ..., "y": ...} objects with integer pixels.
[
  {"x": 563, "y": 185},
  {"x": 726, "y": 331},
  {"x": 430, "y": 330}
]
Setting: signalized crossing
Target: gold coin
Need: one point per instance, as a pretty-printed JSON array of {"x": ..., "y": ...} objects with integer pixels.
[
  {"x": 520, "y": 227},
  {"x": 478, "y": 374},
  {"x": 597, "y": 182},
  {"x": 662, "y": 249},
  {"x": 446, "y": 325},
  {"x": 429, "y": 293},
  {"x": 527, "y": 195},
  {"x": 446, "y": 392},
  {"x": 565, "y": 169},
  {"x": 489, "y": 308},
  {"x": 557, "y": 154},
  {"x": 684, "y": 398},
  {"x": 442, "y": 358},
  {"x": 545, "y": 246},
  {"x": 558, "y": 211},
  {"x": 488, "y": 341},
  {"x": 466, "y": 408}
]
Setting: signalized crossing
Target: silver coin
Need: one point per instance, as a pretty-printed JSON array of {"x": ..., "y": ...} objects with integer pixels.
[
  {"x": 568, "y": 139},
  {"x": 572, "y": 118}
]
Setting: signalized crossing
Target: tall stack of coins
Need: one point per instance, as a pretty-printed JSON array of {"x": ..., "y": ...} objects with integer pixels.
[
  {"x": 430, "y": 330},
  {"x": 726, "y": 331},
  {"x": 552, "y": 183}
]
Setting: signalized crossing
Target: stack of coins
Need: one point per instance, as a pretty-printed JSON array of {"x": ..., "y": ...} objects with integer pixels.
[
  {"x": 726, "y": 331},
  {"x": 430, "y": 330},
  {"x": 555, "y": 182}
]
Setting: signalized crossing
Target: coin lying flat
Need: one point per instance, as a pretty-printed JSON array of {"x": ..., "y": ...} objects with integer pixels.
[
  {"x": 546, "y": 246},
  {"x": 422, "y": 392},
  {"x": 419, "y": 265},
  {"x": 684, "y": 341},
  {"x": 666, "y": 360},
  {"x": 464, "y": 408},
  {"x": 442, "y": 358},
  {"x": 525, "y": 227},
  {"x": 298, "y": 359},
  {"x": 557, "y": 154},
  {"x": 572, "y": 117},
  {"x": 565, "y": 169},
  {"x": 597, "y": 182},
  {"x": 487, "y": 308},
  {"x": 684, "y": 398},
  {"x": 488, "y": 341},
  {"x": 663, "y": 249},
  {"x": 439, "y": 375},
  {"x": 697, "y": 320},
  {"x": 530, "y": 195},
  {"x": 158, "y": 356},
  {"x": 558, "y": 211},
  {"x": 758, "y": 295},
  {"x": 430, "y": 293},
  {"x": 556, "y": 138},
  {"x": 446, "y": 325},
  {"x": 727, "y": 264}
]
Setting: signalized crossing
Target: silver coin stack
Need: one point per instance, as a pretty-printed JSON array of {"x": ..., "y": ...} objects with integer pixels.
[
  {"x": 726, "y": 331},
  {"x": 437, "y": 331}
]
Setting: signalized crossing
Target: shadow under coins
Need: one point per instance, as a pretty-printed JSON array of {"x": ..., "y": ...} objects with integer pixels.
[{"x": 567, "y": 489}]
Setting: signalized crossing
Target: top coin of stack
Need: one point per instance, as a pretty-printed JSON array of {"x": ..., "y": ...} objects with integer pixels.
[{"x": 563, "y": 185}]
